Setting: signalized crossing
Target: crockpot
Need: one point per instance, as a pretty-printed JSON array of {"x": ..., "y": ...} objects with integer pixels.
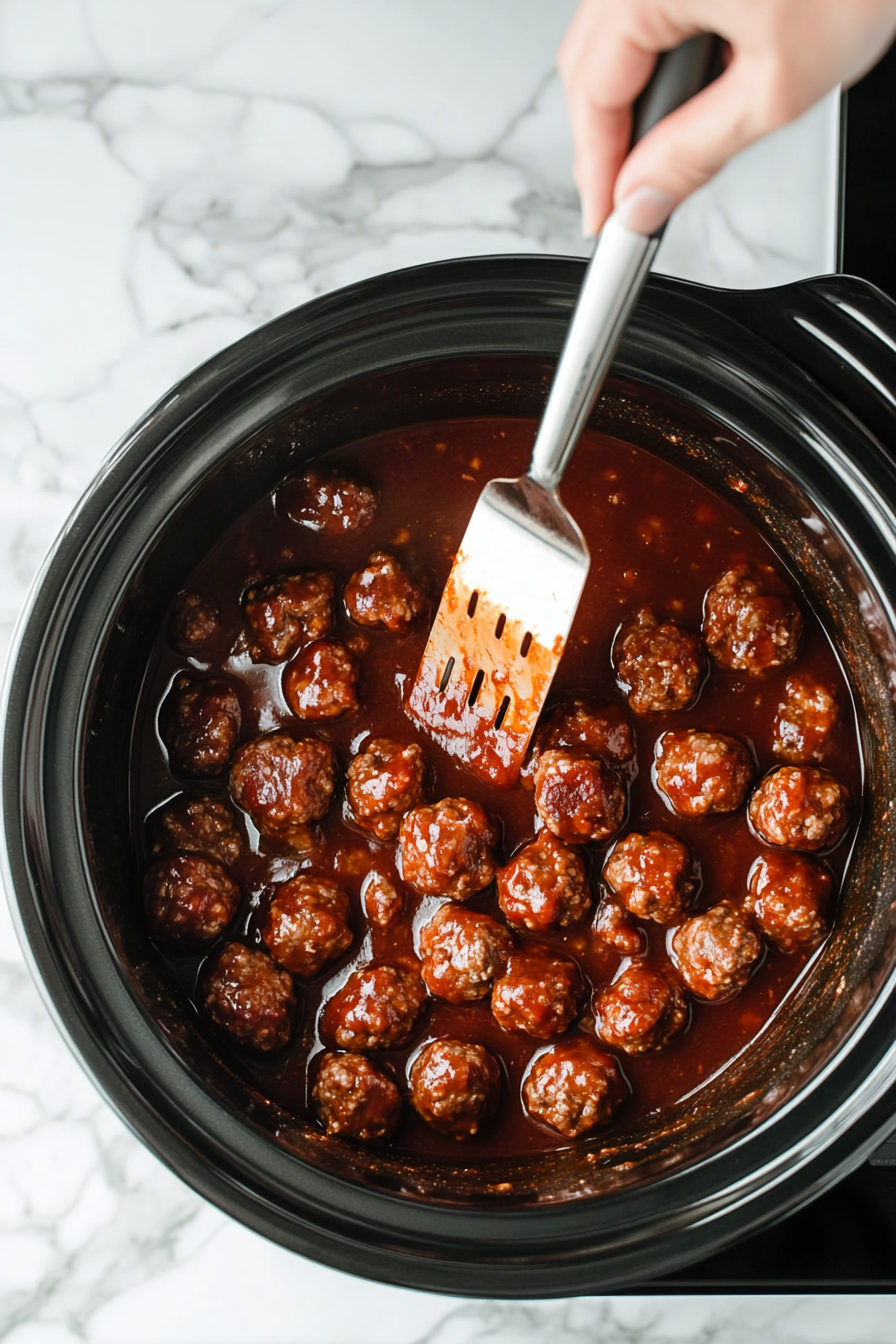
[{"x": 784, "y": 400}]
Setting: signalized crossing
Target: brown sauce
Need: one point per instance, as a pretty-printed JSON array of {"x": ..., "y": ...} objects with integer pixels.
[{"x": 658, "y": 538}]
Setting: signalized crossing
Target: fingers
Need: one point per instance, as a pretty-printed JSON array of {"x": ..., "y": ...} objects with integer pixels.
[
  {"x": 603, "y": 73},
  {"x": 601, "y": 138},
  {"x": 786, "y": 55},
  {"x": 688, "y": 147}
]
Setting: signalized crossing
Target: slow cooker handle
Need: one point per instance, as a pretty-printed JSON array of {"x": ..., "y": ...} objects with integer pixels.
[{"x": 839, "y": 331}]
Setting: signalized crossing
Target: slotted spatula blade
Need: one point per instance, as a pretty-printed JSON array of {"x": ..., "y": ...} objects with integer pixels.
[{"x": 501, "y": 627}]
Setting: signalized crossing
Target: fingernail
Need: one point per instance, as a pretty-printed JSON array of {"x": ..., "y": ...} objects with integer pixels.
[{"x": 645, "y": 210}]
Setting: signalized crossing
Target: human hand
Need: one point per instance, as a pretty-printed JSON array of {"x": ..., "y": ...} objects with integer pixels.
[{"x": 784, "y": 56}]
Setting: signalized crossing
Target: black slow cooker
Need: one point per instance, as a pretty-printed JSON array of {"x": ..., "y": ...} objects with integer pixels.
[{"x": 793, "y": 389}]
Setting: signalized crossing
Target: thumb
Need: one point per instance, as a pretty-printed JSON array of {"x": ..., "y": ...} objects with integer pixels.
[{"x": 689, "y": 146}]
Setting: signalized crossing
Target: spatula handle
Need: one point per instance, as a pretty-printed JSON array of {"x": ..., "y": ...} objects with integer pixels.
[
  {"x": 677, "y": 76},
  {"x": 613, "y": 280}
]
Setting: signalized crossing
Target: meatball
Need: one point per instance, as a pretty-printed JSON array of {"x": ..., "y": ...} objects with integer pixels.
[
  {"x": 800, "y": 807},
  {"x": 806, "y": 720},
  {"x": 716, "y": 951},
  {"x": 197, "y": 825},
  {"x": 383, "y": 902},
  {"x": 573, "y": 1087},
  {"x": 462, "y": 952},
  {"x": 200, "y": 724},
  {"x": 288, "y": 613},
  {"x": 700, "y": 773},
  {"x": 376, "y": 1008},
  {"x": 307, "y": 924},
  {"x": 189, "y": 899},
  {"x": 382, "y": 593},
  {"x": 195, "y": 622},
  {"x": 660, "y": 666},
  {"x": 355, "y": 1099},
  {"x": 751, "y": 622},
  {"x": 594, "y": 727},
  {"x": 545, "y": 886},
  {"x": 284, "y": 784},
  {"x": 250, "y": 998},
  {"x": 327, "y": 502},
  {"x": 640, "y": 1011},
  {"x": 578, "y": 797},
  {"x": 653, "y": 875},
  {"x": 384, "y": 781},
  {"x": 790, "y": 897},
  {"x": 322, "y": 682},
  {"x": 614, "y": 926},
  {"x": 448, "y": 849},
  {"x": 540, "y": 993},
  {"x": 454, "y": 1086}
]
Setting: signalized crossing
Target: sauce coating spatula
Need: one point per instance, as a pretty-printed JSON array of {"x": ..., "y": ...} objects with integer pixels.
[{"x": 513, "y": 590}]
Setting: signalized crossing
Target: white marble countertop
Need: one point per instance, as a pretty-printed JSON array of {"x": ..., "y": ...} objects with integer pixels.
[{"x": 175, "y": 172}]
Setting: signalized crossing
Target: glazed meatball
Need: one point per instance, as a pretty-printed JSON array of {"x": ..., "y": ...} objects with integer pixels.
[
  {"x": 653, "y": 875},
  {"x": 200, "y": 724},
  {"x": 284, "y": 784},
  {"x": 540, "y": 993},
  {"x": 573, "y": 1087},
  {"x": 716, "y": 951},
  {"x": 382, "y": 593},
  {"x": 327, "y": 502},
  {"x": 660, "y": 666},
  {"x": 448, "y": 849},
  {"x": 462, "y": 952},
  {"x": 806, "y": 721},
  {"x": 545, "y": 886},
  {"x": 381, "y": 899},
  {"x": 594, "y": 727},
  {"x": 189, "y": 899},
  {"x": 307, "y": 924},
  {"x": 751, "y": 622},
  {"x": 578, "y": 797},
  {"x": 615, "y": 927},
  {"x": 250, "y": 998},
  {"x": 640, "y": 1011},
  {"x": 197, "y": 825},
  {"x": 701, "y": 773},
  {"x": 195, "y": 622},
  {"x": 322, "y": 682},
  {"x": 385, "y": 780},
  {"x": 800, "y": 807},
  {"x": 790, "y": 897},
  {"x": 383, "y": 902},
  {"x": 355, "y": 1099},
  {"x": 287, "y": 614},
  {"x": 454, "y": 1086},
  {"x": 376, "y": 1008}
]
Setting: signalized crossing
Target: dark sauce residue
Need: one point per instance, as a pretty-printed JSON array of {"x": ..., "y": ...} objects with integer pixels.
[{"x": 658, "y": 538}]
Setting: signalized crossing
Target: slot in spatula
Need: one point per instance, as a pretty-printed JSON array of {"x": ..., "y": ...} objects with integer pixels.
[{"x": 513, "y": 590}]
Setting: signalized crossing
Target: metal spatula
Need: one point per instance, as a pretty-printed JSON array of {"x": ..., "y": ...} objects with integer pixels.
[{"x": 513, "y": 590}]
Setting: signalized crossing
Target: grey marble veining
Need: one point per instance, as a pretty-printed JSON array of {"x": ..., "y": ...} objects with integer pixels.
[{"x": 174, "y": 173}]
